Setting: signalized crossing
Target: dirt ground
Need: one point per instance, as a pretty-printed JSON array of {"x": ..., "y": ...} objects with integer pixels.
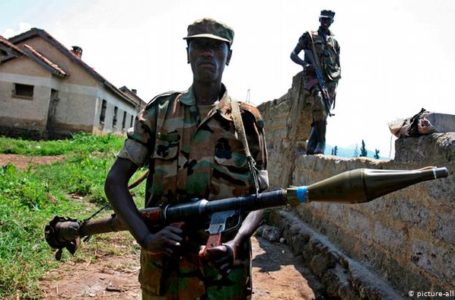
[
  {"x": 23, "y": 161},
  {"x": 277, "y": 274}
]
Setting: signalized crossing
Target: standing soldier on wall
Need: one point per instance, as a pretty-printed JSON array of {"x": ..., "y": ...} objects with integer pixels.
[
  {"x": 192, "y": 144},
  {"x": 322, "y": 53}
]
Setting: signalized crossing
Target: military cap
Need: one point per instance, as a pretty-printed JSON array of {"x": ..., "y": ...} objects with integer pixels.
[
  {"x": 327, "y": 14},
  {"x": 212, "y": 29}
]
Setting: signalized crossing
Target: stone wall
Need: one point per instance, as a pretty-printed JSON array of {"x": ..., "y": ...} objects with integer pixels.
[
  {"x": 406, "y": 239},
  {"x": 288, "y": 122}
]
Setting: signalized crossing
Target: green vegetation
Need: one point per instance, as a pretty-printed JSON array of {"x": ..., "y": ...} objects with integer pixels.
[
  {"x": 363, "y": 150},
  {"x": 30, "y": 198},
  {"x": 79, "y": 143},
  {"x": 376, "y": 153}
]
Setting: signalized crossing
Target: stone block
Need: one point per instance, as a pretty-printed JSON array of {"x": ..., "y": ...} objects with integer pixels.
[
  {"x": 335, "y": 280},
  {"x": 358, "y": 224},
  {"x": 411, "y": 212},
  {"x": 270, "y": 233},
  {"x": 434, "y": 148},
  {"x": 436, "y": 261},
  {"x": 445, "y": 228},
  {"x": 368, "y": 285},
  {"x": 442, "y": 122},
  {"x": 319, "y": 264},
  {"x": 335, "y": 212},
  {"x": 384, "y": 234}
]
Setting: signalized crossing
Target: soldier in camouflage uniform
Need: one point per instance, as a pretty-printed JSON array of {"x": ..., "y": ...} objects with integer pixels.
[
  {"x": 328, "y": 53},
  {"x": 189, "y": 143}
]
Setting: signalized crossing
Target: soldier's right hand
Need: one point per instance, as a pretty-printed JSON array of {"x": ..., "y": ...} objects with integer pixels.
[
  {"x": 309, "y": 67},
  {"x": 167, "y": 241}
]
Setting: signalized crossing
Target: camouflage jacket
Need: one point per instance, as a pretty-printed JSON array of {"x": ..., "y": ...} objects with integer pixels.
[
  {"x": 328, "y": 52},
  {"x": 192, "y": 156}
]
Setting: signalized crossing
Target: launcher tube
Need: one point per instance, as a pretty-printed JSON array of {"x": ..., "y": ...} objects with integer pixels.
[{"x": 356, "y": 186}]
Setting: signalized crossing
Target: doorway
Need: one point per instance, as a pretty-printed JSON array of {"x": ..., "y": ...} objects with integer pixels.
[{"x": 51, "y": 115}]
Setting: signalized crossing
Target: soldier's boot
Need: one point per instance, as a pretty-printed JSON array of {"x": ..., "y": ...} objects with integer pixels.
[
  {"x": 321, "y": 127},
  {"x": 312, "y": 141}
]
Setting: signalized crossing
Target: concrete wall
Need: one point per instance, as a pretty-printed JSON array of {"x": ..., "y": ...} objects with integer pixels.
[
  {"x": 407, "y": 237},
  {"x": 79, "y": 109},
  {"x": 85, "y": 95},
  {"x": 288, "y": 122},
  {"x": 112, "y": 102},
  {"x": 74, "y": 110},
  {"x": 77, "y": 76},
  {"x": 17, "y": 112}
]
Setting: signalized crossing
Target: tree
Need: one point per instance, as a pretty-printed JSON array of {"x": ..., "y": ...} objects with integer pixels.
[
  {"x": 363, "y": 150},
  {"x": 376, "y": 153},
  {"x": 335, "y": 151}
]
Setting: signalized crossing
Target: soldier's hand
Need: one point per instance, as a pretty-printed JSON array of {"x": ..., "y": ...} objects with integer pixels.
[
  {"x": 167, "y": 241},
  {"x": 308, "y": 67},
  {"x": 222, "y": 257}
]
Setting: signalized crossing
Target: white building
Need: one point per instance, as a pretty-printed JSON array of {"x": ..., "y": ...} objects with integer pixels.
[{"x": 47, "y": 90}]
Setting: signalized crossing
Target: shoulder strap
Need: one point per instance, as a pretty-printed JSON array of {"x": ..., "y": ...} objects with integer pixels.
[
  {"x": 240, "y": 131},
  {"x": 315, "y": 54}
]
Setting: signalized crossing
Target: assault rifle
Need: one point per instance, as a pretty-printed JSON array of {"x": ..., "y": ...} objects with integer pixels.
[
  {"x": 356, "y": 186},
  {"x": 312, "y": 57}
]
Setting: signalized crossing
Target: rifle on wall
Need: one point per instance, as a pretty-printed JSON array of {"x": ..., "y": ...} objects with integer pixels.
[
  {"x": 314, "y": 60},
  {"x": 356, "y": 186}
]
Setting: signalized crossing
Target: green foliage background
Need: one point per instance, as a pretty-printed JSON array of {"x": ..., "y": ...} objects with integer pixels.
[{"x": 30, "y": 198}]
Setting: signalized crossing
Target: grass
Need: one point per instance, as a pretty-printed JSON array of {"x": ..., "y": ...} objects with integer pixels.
[
  {"x": 81, "y": 142},
  {"x": 30, "y": 198}
]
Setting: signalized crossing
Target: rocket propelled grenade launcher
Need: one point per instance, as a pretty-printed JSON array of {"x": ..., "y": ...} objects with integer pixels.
[{"x": 356, "y": 186}]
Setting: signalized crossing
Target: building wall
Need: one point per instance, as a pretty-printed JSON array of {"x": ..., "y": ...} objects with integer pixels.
[
  {"x": 407, "y": 237},
  {"x": 16, "y": 112},
  {"x": 82, "y": 95},
  {"x": 75, "y": 108},
  {"x": 79, "y": 97},
  {"x": 79, "y": 109},
  {"x": 111, "y": 103},
  {"x": 77, "y": 76}
]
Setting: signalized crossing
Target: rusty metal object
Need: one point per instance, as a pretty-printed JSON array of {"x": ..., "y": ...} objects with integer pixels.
[{"x": 63, "y": 232}]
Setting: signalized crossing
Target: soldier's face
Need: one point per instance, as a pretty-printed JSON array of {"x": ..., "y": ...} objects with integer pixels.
[
  {"x": 325, "y": 22},
  {"x": 208, "y": 57}
]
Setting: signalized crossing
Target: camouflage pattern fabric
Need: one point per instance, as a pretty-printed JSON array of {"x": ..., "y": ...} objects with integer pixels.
[
  {"x": 193, "y": 156},
  {"x": 328, "y": 52},
  {"x": 314, "y": 98},
  {"x": 210, "y": 28}
]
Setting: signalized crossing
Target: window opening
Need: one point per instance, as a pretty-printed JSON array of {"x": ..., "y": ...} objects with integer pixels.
[
  {"x": 114, "y": 120},
  {"x": 23, "y": 90},
  {"x": 103, "y": 111}
]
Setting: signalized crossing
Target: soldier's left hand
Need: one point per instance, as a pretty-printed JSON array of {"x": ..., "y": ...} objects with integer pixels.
[{"x": 222, "y": 257}]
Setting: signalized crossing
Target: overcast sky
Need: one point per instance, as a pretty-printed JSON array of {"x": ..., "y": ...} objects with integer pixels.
[{"x": 396, "y": 56}]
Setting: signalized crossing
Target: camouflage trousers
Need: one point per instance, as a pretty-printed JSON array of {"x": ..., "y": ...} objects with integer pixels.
[
  {"x": 187, "y": 279},
  {"x": 313, "y": 96}
]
